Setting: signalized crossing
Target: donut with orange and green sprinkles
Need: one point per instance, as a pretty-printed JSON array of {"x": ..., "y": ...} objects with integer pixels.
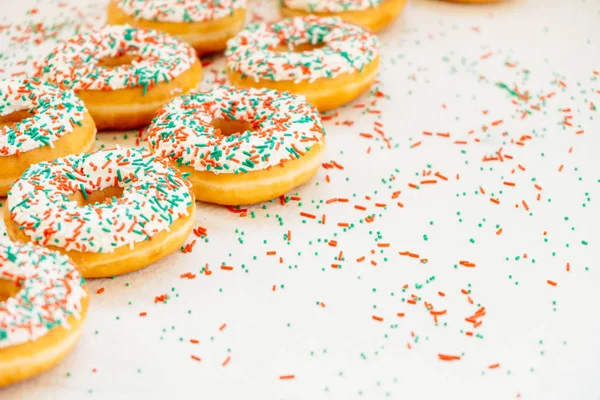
[
  {"x": 112, "y": 212},
  {"x": 329, "y": 61},
  {"x": 43, "y": 303},
  {"x": 206, "y": 25},
  {"x": 123, "y": 74},
  {"x": 39, "y": 122},
  {"x": 374, "y": 15},
  {"x": 240, "y": 146}
]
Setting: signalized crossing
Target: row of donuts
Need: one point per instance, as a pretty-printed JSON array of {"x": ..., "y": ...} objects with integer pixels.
[{"x": 115, "y": 211}]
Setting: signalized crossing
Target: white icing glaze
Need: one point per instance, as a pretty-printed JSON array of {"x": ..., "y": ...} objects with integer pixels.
[{"x": 180, "y": 10}]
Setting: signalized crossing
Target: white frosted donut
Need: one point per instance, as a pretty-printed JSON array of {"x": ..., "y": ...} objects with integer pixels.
[
  {"x": 39, "y": 122},
  {"x": 329, "y": 61},
  {"x": 274, "y": 131},
  {"x": 102, "y": 209},
  {"x": 374, "y": 15},
  {"x": 42, "y": 316},
  {"x": 206, "y": 25},
  {"x": 123, "y": 74}
]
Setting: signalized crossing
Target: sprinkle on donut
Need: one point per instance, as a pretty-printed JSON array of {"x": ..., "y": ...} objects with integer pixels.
[
  {"x": 332, "y": 6},
  {"x": 77, "y": 62},
  {"x": 50, "y": 291},
  {"x": 155, "y": 195},
  {"x": 283, "y": 128},
  {"x": 346, "y": 48},
  {"x": 54, "y": 113},
  {"x": 181, "y": 10}
]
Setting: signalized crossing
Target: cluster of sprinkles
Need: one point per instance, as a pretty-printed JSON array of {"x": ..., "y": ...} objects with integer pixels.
[
  {"x": 345, "y": 48},
  {"x": 155, "y": 195},
  {"x": 76, "y": 63},
  {"x": 50, "y": 290},
  {"x": 508, "y": 198},
  {"x": 53, "y": 114},
  {"x": 180, "y": 10},
  {"x": 331, "y": 5},
  {"x": 283, "y": 127}
]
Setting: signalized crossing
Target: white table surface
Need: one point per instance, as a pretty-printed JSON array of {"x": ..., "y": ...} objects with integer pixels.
[{"x": 441, "y": 69}]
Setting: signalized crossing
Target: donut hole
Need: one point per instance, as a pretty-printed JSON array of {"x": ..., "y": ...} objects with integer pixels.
[
  {"x": 229, "y": 127},
  {"x": 297, "y": 48},
  {"x": 8, "y": 289},
  {"x": 14, "y": 117},
  {"x": 117, "y": 61},
  {"x": 105, "y": 196}
]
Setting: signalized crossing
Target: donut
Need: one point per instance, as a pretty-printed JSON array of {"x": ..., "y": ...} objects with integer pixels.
[
  {"x": 374, "y": 15},
  {"x": 39, "y": 122},
  {"x": 43, "y": 303},
  {"x": 205, "y": 25},
  {"x": 112, "y": 212},
  {"x": 123, "y": 74},
  {"x": 240, "y": 146},
  {"x": 329, "y": 61}
]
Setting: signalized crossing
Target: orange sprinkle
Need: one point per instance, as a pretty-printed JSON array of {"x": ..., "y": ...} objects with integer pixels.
[
  {"x": 428, "y": 182},
  {"x": 525, "y": 205},
  {"x": 376, "y": 318},
  {"x": 494, "y": 200},
  {"x": 271, "y": 253},
  {"x": 441, "y": 176},
  {"x": 362, "y": 208},
  {"x": 100, "y": 290},
  {"x": 568, "y": 267},
  {"x": 415, "y": 144},
  {"x": 383, "y": 245},
  {"x": 551, "y": 282},
  {"x": 494, "y": 366},
  {"x": 412, "y": 185},
  {"x": 226, "y": 360},
  {"x": 499, "y": 231},
  {"x": 445, "y": 357},
  {"x": 360, "y": 259},
  {"x": 509, "y": 183},
  {"x": 307, "y": 215},
  {"x": 195, "y": 358},
  {"x": 400, "y": 314},
  {"x": 143, "y": 314},
  {"x": 194, "y": 341},
  {"x": 226, "y": 268},
  {"x": 282, "y": 377},
  {"x": 442, "y": 294}
]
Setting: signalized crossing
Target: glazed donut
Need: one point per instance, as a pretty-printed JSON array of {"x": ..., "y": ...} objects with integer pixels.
[
  {"x": 112, "y": 212},
  {"x": 205, "y": 25},
  {"x": 240, "y": 146},
  {"x": 374, "y": 15},
  {"x": 328, "y": 61},
  {"x": 123, "y": 74},
  {"x": 39, "y": 122},
  {"x": 43, "y": 303}
]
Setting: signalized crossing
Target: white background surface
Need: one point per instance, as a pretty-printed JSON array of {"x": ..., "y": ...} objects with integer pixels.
[{"x": 441, "y": 65}]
